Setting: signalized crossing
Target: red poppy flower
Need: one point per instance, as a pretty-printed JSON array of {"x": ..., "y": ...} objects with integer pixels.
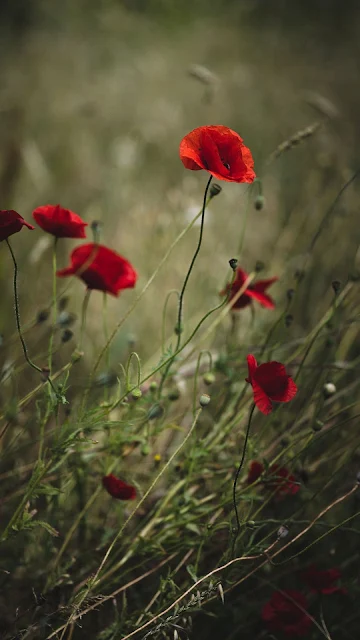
[
  {"x": 284, "y": 614},
  {"x": 220, "y": 151},
  {"x": 270, "y": 383},
  {"x": 255, "y": 291},
  {"x": 11, "y": 222},
  {"x": 118, "y": 488},
  {"x": 278, "y": 479},
  {"x": 101, "y": 268},
  {"x": 322, "y": 581},
  {"x": 60, "y": 222}
]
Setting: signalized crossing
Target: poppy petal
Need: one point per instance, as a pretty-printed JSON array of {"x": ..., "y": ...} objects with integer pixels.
[
  {"x": 261, "y": 400},
  {"x": 263, "y": 298},
  {"x": 252, "y": 366}
]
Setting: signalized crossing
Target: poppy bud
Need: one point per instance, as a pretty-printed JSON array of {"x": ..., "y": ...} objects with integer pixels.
[
  {"x": 259, "y": 203},
  {"x": 63, "y": 303},
  {"x": 204, "y": 400},
  {"x": 209, "y": 378},
  {"x": 329, "y": 389},
  {"x": 145, "y": 449},
  {"x": 233, "y": 262},
  {"x": 42, "y": 316},
  {"x": 336, "y": 285},
  {"x": 215, "y": 189},
  {"x": 318, "y": 425},
  {"x": 282, "y": 532},
  {"x": 250, "y": 524},
  {"x": 259, "y": 266},
  {"x": 156, "y": 411},
  {"x": 153, "y": 386},
  {"x": 136, "y": 394},
  {"x": 178, "y": 329},
  {"x": 174, "y": 395},
  {"x": 66, "y": 335},
  {"x": 288, "y": 320},
  {"x": 290, "y": 294}
]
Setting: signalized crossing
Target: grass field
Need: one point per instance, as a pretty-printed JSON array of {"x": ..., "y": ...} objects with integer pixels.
[{"x": 93, "y": 106}]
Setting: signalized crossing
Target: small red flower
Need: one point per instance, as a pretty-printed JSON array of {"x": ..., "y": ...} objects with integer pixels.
[
  {"x": 220, "y": 151},
  {"x": 284, "y": 614},
  {"x": 60, "y": 222},
  {"x": 118, "y": 488},
  {"x": 255, "y": 291},
  {"x": 270, "y": 383},
  {"x": 11, "y": 222},
  {"x": 100, "y": 268},
  {"x": 322, "y": 581},
  {"x": 278, "y": 479}
]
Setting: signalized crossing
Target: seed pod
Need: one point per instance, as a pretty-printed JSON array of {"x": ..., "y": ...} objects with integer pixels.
[{"x": 204, "y": 400}]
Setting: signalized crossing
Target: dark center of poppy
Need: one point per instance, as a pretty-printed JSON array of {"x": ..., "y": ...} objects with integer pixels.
[{"x": 226, "y": 164}]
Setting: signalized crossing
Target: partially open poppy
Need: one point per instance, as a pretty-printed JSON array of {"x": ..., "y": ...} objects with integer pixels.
[
  {"x": 322, "y": 581},
  {"x": 60, "y": 222},
  {"x": 11, "y": 222},
  {"x": 254, "y": 292},
  {"x": 118, "y": 488},
  {"x": 286, "y": 612},
  {"x": 101, "y": 268},
  {"x": 270, "y": 383},
  {"x": 220, "y": 151}
]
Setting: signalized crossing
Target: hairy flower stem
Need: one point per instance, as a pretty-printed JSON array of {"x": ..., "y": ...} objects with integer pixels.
[
  {"x": 178, "y": 327},
  {"x": 54, "y": 306},
  {"x": 238, "y": 474}
]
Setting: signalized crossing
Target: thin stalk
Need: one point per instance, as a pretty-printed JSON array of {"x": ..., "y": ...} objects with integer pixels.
[
  {"x": 54, "y": 305},
  {"x": 178, "y": 327},
  {"x": 238, "y": 473}
]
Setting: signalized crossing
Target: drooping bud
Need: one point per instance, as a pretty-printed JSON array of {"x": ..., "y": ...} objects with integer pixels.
[
  {"x": 136, "y": 394},
  {"x": 209, "y": 378},
  {"x": 215, "y": 189},
  {"x": 288, "y": 320},
  {"x": 259, "y": 202}
]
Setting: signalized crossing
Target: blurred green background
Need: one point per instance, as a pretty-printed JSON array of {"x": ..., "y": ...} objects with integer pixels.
[{"x": 94, "y": 100}]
